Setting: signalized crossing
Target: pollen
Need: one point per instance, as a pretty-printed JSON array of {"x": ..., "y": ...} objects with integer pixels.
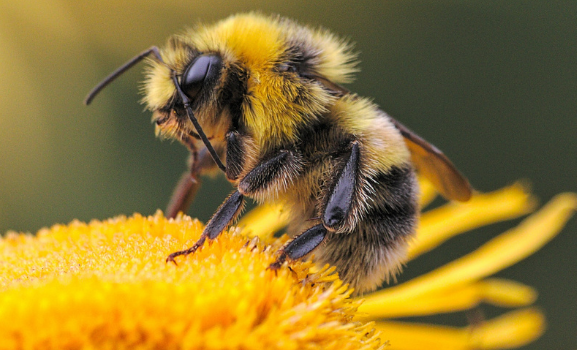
[{"x": 107, "y": 285}]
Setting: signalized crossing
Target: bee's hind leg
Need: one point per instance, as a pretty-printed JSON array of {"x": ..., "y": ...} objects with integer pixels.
[
  {"x": 336, "y": 211},
  {"x": 303, "y": 244}
]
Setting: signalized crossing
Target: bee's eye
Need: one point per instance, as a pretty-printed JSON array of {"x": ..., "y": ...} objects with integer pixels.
[{"x": 202, "y": 69}]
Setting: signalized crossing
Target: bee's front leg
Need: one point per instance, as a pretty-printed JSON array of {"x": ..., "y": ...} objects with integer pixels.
[
  {"x": 219, "y": 221},
  {"x": 259, "y": 179},
  {"x": 334, "y": 215},
  {"x": 189, "y": 183},
  {"x": 200, "y": 162}
]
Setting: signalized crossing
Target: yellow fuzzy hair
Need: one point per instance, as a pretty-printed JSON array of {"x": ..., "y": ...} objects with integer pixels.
[{"x": 258, "y": 42}]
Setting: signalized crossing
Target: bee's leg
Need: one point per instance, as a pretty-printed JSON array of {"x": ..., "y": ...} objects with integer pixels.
[
  {"x": 184, "y": 192},
  {"x": 226, "y": 213},
  {"x": 368, "y": 242},
  {"x": 274, "y": 174},
  {"x": 340, "y": 199},
  {"x": 189, "y": 183},
  {"x": 301, "y": 245},
  {"x": 258, "y": 179},
  {"x": 336, "y": 211},
  {"x": 235, "y": 154}
]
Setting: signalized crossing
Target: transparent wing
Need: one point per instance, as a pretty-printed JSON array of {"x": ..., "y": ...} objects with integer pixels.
[
  {"x": 435, "y": 166},
  {"x": 428, "y": 159}
]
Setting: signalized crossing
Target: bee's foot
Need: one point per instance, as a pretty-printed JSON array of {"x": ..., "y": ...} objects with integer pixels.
[
  {"x": 171, "y": 257},
  {"x": 277, "y": 264},
  {"x": 188, "y": 251},
  {"x": 274, "y": 266}
]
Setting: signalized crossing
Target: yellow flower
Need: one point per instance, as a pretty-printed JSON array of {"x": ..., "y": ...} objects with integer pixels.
[
  {"x": 106, "y": 285},
  {"x": 459, "y": 285}
]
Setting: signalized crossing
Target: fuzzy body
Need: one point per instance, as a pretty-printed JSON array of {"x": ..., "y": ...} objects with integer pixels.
[{"x": 287, "y": 137}]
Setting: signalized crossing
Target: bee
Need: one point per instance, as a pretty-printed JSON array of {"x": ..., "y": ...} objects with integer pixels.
[{"x": 263, "y": 92}]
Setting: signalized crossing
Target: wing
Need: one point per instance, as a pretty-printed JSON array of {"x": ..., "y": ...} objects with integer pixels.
[
  {"x": 428, "y": 159},
  {"x": 435, "y": 166}
]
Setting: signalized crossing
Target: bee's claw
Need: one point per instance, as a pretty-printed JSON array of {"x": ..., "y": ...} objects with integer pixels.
[
  {"x": 170, "y": 258},
  {"x": 190, "y": 250},
  {"x": 275, "y": 266}
]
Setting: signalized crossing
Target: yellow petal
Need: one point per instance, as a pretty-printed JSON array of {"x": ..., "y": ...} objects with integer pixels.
[
  {"x": 502, "y": 251},
  {"x": 440, "y": 224},
  {"x": 411, "y": 336},
  {"x": 513, "y": 329},
  {"x": 264, "y": 220},
  {"x": 462, "y": 297},
  {"x": 427, "y": 191},
  {"x": 506, "y": 293}
]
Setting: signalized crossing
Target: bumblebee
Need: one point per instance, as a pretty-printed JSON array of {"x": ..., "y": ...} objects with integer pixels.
[{"x": 264, "y": 93}]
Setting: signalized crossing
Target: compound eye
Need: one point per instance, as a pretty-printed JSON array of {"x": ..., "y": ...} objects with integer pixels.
[{"x": 202, "y": 69}]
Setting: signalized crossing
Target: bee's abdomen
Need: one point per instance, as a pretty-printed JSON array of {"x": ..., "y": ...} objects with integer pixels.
[
  {"x": 374, "y": 249},
  {"x": 394, "y": 196}
]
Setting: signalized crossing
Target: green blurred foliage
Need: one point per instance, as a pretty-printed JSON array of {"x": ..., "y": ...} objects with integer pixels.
[{"x": 492, "y": 83}]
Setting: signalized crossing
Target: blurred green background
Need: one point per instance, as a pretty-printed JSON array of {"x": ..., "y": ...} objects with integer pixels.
[{"x": 492, "y": 83}]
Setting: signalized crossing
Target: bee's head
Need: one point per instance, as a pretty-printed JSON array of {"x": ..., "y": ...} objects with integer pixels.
[{"x": 263, "y": 75}]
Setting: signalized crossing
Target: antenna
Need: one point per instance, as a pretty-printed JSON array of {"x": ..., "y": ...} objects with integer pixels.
[{"x": 154, "y": 50}]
